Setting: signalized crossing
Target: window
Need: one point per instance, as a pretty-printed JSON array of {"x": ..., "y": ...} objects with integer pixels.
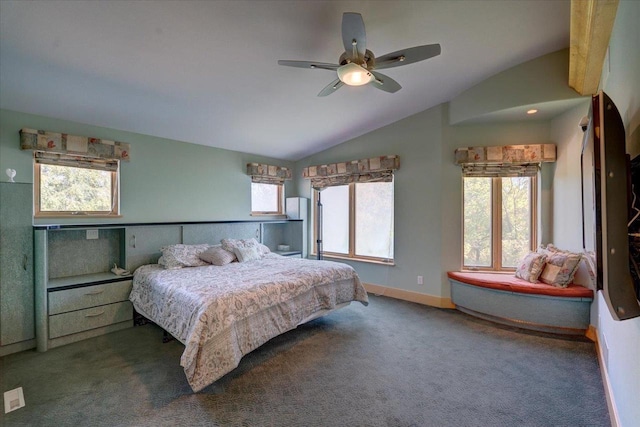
[
  {"x": 499, "y": 221},
  {"x": 357, "y": 221},
  {"x": 71, "y": 186},
  {"x": 266, "y": 199}
]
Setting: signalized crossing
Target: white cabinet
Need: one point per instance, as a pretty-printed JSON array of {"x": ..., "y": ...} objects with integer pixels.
[{"x": 17, "y": 331}]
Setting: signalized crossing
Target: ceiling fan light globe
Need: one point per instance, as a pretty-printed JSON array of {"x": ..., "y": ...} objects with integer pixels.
[{"x": 354, "y": 75}]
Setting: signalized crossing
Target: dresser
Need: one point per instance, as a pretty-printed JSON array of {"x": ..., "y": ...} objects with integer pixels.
[
  {"x": 17, "y": 331},
  {"x": 77, "y": 297}
]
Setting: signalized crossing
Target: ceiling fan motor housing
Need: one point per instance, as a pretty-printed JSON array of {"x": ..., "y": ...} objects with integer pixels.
[{"x": 368, "y": 62}]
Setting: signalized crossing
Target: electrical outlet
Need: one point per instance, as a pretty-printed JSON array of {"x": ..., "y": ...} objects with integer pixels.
[
  {"x": 92, "y": 234},
  {"x": 420, "y": 280},
  {"x": 13, "y": 399}
]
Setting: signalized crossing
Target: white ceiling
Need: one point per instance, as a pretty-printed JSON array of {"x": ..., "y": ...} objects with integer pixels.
[{"x": 206, "y": 72}]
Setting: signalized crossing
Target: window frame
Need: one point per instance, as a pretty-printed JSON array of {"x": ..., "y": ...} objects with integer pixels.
[
  {"x": 496, "y": 224},
  {"x": 115, "y": 194},
  {"x": 280, "y": 201},
  {"x": 352, "y": 232}
]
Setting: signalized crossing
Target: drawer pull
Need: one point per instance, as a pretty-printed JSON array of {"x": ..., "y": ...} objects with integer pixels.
[
  {"x": 94, "y": 315},
  {"x": 95, "y": 292},
  {"x": 24, "y": 262}
]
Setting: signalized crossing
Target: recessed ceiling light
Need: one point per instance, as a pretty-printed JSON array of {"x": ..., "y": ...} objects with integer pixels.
[{"x": 532, "y": 111}]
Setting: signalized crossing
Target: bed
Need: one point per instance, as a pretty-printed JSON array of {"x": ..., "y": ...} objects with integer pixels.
[{"x": 221, "y": 313}]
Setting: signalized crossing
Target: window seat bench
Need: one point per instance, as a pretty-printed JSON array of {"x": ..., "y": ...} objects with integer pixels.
[{"x": 509, "y": 300}]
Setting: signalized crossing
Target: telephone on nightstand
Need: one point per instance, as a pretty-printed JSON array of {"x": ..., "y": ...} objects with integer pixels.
[{"x": 119, "y": 271}]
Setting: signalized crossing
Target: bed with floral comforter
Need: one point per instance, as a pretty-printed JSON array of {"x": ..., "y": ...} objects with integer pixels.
[{"x": 221, "y": 313}]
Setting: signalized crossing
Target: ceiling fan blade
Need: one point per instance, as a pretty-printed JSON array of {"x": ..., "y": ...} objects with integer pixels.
[
  {"x": 407, "y": 56},
  {"x": 309, "y": 64},
  {"x": 385, "y": 83},
  {"x": 353, "y": 29},
  {"x": 331, "y": 87}
]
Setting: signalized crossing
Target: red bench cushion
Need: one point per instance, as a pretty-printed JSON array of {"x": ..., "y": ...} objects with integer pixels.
[{"x": 507, "y": 282}]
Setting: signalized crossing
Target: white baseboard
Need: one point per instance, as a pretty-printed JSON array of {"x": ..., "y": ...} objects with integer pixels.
[
  {"x": 592, "y": 334},
  {"x": 411, "y": 296}
]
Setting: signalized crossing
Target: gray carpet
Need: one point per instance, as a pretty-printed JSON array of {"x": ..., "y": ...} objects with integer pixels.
[{"x": 390, "y": 364}]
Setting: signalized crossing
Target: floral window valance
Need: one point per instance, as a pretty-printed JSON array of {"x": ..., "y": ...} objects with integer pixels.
[
  {"x": 375, "y": 169},
  {"x": 82, "y": 146},
  {"x": 505, "y": 161},
  {"x": 268, "y": 174}
]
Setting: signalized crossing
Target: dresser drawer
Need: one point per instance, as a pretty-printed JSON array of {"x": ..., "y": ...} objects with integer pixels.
[
  {"x": 88, "y": 296},
  {"x": 90, "y": 318}
]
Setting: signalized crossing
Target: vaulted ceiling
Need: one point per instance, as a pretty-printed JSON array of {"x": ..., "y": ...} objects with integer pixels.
[{"x": 206, "y": 72}]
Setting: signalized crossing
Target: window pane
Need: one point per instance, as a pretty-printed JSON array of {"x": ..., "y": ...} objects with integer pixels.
[
  {"x": 374, "y": 219},
  {"x": 335, "y": 219},
  {"x": 516, "y": 220},
  {"x": 264, "y": 197},
  {"x": 70, "y": 189},
  {"x": 477, "y": 222}
]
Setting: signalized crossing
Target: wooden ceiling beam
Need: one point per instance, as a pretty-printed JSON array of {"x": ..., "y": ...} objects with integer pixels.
[{"x": 591, "y": 26}]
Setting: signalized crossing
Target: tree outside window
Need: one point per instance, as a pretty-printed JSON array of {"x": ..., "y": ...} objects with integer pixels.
[
  {"x": 65, "y": 189},
  {"x": 498, "y": 221}
]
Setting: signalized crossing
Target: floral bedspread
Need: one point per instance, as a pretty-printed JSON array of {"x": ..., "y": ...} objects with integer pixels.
[{"x": 221, "y": 313}]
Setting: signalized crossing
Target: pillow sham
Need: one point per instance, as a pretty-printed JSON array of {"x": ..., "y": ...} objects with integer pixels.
[
  {"x": 177, "y": 256},
  {"x": 264, "y": 250},
  {"x": 560, "y": 268},
  {"x": 217, "y": 255},
  {"x": 231, "y": 244},
  {"x": 531, "y": 267},
  {"x": 249, "y": 253},
  {"x": 170, "y": 265}
]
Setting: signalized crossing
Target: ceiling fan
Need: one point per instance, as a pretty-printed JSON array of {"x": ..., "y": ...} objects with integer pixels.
[{"x": 357, "y": 64}]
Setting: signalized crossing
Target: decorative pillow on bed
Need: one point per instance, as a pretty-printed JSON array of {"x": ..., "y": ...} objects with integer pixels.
[
  {"x": 164, "y": 264},
  {"x": 178, "y": 256},
  {"x": 171, "y": 264},
  {"x": 560, "y": 268},
  {"x": 217, "y": 255},
  {"x": 232, "y": 244},
  {"x": 531, "y": 267},
  {"x": 263, "y": 249},
  {"x": 542, "y": 249},
  {"x": 249, "y": 253}
]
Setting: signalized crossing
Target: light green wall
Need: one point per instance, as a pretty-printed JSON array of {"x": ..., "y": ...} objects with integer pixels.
[
  {"x": 428, "y": 191},
  {"x": 165, "y": 180},
  {"x": 417, "y": 188},
  {"x": 477, "y": 135},
  {"x": 567, "y": 210},
  {"x": 540, "y": 80}
]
